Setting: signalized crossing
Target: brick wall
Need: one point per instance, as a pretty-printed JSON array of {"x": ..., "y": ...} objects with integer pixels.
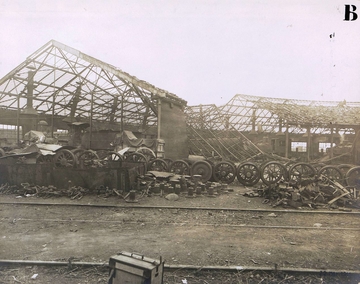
[{"x": 173, "y": 131}]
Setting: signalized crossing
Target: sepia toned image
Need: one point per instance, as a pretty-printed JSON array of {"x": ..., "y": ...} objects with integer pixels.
[{"x": 179, "y": 141}]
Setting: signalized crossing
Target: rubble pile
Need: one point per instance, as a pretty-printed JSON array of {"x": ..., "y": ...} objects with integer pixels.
[
  {"x": 27, "y": 190},
  {"x": 313, "y": 193},
  {"x": 165, "y": 184}
]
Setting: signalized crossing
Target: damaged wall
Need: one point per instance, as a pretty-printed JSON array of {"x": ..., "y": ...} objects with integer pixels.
[{"x": 173, "y": 131}]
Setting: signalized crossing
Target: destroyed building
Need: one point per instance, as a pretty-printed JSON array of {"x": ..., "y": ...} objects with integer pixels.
[{"x": 88, "y": 109}]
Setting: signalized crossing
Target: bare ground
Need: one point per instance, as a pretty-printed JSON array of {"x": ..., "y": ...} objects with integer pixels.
[{"x": 224, "y": 238}]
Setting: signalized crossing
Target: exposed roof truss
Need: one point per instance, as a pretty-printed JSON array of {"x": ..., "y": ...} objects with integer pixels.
[
  {"x": 66, "y": 82},
  {"x": 249, "y": 113}
]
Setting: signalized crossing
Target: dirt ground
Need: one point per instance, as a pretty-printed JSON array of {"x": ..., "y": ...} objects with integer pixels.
[
  {"x": 180, "y": 236},
  {"x": 96, "y": 275}
]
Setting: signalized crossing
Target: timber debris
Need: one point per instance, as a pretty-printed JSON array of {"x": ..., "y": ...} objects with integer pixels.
[{"x": 314, "y": 193}]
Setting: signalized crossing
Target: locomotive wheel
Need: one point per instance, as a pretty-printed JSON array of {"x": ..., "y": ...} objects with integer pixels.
[
  {"x": 344, "y": 169},
  {"x": 318, "y": 167},
  {"x": 64, "y": 159},
  {"x": 224, "y": 172},
  {"x": 301, "y": 171},
  {"x": 111, "y": 159},
  {"x": 44, "y": 159},
  {"x": 353, "y": 177},
  {"x": 289, "y": 164},
  {"x": 212, "y": 163},
  {"x": 248, "y": 174},
  {"x": 168, "y": 162},
  {"x": 263, "y": 164},
  {"x": 331, "y": 172},
  {"x": 273, "y": 172},
  {"x": 157, "y": 165},
  {"x": 114, "y": 157},
  {"x": 103, "y": 154},
  {"x": 86, "y": 158},
  {"x": 180, "y": 167},
  {"x": 147, "y": 152},
  {"x": 77, "y": 152},
  {"x": 202, "y": 168},
  {"x": 135, "y": 157}
]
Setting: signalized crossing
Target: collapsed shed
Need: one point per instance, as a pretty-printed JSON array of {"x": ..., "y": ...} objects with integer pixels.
[
  {"x": 250, "y": 126},
  {"x": 87, "y": 105},
  {"x": 62, "y": 86},
  {"x": 83, "y": 103}
]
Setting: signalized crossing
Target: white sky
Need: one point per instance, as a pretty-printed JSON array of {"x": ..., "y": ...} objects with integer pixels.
[{"x": 204, "y": 51}]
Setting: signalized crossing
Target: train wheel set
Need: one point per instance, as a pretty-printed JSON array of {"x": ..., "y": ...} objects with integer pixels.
[{"x": 247, "y": 173}]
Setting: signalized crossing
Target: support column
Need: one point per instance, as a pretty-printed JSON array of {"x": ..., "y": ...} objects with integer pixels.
[
  {"x": 75, "y": 101},
  {"x": 113, "y": 109},
  {"x": 159, "y": 120},
  {"x": 122, "y": 122},
  {"x": 331, "y": 141},
  {"x": 28, "y": 118},
  {"x": 287, "y": 141},
  {"x": 356, "y": 147},
  {"x": 201, "y": 119},
  {"x": 253, "y": 122},
  {"x": 308, "y": 144},
  {"x": 280, "y": 125},
  {"x": 91, "y": 118},
  {"x": 52, "y": 115},
  {"x": 30, "y": 91},
  {"x": 18, "y": 120},
  {"x": 160, "y": 149}
]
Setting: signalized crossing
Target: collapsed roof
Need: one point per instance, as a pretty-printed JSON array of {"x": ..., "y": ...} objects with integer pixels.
[
  {"x": 63, "y": 81},
  {"x": 245, "y": 113}
]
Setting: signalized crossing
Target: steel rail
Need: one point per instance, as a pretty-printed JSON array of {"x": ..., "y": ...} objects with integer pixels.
[
  {"x": 183, "y": 208},
  {"x": 185, "y": 223},
  {"x": 171, "y": 267}
]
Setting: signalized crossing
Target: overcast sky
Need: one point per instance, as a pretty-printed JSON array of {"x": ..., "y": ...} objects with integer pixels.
[{"x": 204, "y": 51}]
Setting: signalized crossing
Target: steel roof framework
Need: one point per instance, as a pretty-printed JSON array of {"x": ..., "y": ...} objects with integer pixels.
[
  {"x": 220, "y": 130},
  {"x": 244, "y": 113},
  {"x": 211, "y": 133},
  {"x": 63, "y": 75}
]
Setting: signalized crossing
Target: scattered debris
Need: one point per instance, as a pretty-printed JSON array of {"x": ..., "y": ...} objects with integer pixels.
[
  {"x": 172, "y": 197},
  {"x": 27, "y": 190},
  {"x": 313, "y": 193},
  {"x": 34, "y": 276}
]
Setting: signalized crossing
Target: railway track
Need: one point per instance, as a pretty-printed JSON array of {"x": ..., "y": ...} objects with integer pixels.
[
  {"x": 64, "y": 271},
  {"x": 183, "y": 227},
  {"x": 346, "y": 212},
  {"x": 179, "y": 216}
]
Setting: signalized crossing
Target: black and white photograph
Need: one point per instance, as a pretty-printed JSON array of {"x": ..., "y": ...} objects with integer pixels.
[{"x": 179, "y": 142}]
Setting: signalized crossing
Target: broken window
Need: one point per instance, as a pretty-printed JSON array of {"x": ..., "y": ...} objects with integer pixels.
[
  {"x": 298, "y": 146},
  {"x": 324, "y": 146},
  {"x": 9, "y": 132}
]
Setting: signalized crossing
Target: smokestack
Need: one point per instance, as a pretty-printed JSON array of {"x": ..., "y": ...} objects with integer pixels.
[
  {"x": 30, "y": 94},
  {"x": 75, "y": 102}
]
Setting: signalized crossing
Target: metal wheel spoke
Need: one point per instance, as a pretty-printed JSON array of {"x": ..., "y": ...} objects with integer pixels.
[
  {"x": 248, "y": 174},
  {"x": 158, "y": 165},
  {"x": 180, "y": 167},
  {"x": 224, "y": 172},
  {"x": 272, "y": 172},
  {"x": 301, "y": 171},
  {"x": 64, "y": 158},
  {"x": 332, "y": 173}
]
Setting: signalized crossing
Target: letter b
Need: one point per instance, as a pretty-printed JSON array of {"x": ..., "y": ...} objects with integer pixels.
[{"x": 348, "y": 12}]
